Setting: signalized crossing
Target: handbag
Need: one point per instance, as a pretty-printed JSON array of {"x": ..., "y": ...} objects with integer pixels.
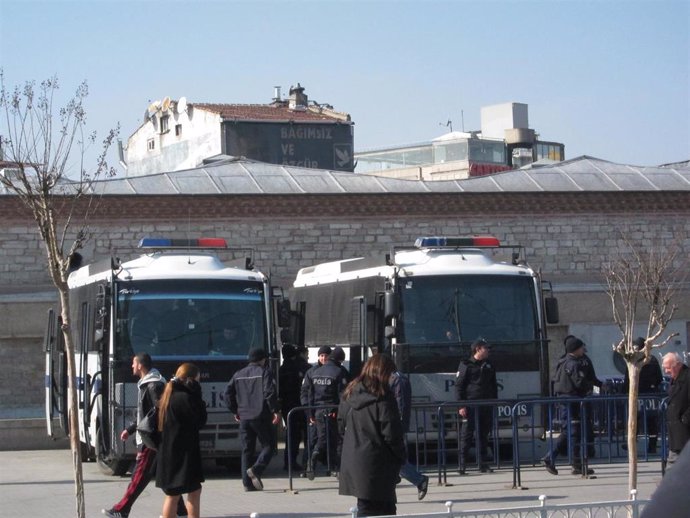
[{"x": 148, "y": 429}]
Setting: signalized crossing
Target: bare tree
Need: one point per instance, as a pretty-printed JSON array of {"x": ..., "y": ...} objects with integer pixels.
[
  {"x": 641, "y": 283},
  {"x": 45, "y": 147}
]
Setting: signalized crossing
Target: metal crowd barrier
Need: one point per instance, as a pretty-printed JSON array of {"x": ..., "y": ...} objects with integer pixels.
[
  {"x": 310, "y": 438},
  {"x": 435, "y": 427},
  {"x": 610, "y": 509},
  {"x": 602, "y": 422}
]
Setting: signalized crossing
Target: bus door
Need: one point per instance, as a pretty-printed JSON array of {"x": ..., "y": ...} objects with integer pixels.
[
  {"x": 55, "y": 375},
  {"x": 85, "y": 376}
]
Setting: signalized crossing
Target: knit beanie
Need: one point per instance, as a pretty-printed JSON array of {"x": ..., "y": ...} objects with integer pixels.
[{"x": 572, "y": 344}]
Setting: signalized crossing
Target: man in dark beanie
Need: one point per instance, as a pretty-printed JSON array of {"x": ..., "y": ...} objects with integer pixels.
[
  {"x": 573, "y": 378},
  {"x": 323, "y": 385},
  {"x": 338, "y": 356},
  {"x": 585, "y": 361},
  {"x": 251, "y": 397},
  {"x": 323, "y": 355},
  {"x": 476, "y": 379}
]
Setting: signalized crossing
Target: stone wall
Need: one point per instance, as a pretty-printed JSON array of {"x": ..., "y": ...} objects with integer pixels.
[
  {"x": 567, "y": 235},
  {"x": 562, "y": 243}
]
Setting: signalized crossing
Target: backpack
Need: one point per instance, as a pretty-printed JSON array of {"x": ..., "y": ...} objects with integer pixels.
[
  {"x": 561, "y": 381},
  {"x": 148, "y": 429}
]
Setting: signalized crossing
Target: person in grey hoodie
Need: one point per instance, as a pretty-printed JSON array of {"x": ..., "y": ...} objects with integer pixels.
[
  {"x": 150, "y": 386},
  {"x": 373, "y": 443}
]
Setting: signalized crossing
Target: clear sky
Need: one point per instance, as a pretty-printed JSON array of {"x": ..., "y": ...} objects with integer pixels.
[{"x": 609, "y": 78}]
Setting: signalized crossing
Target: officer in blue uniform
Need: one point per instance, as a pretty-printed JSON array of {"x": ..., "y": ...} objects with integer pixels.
[{"x": 323, "y": 385}]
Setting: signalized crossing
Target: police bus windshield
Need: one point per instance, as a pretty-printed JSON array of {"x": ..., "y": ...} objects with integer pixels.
[
  {"x": 202, "y": 319},
  {"x": 444, "y": 311}
]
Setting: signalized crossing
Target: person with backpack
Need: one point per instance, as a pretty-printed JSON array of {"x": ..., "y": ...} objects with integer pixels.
[
  {"x": 574, "y": 378},
  {"x": 150, "y": 386}
]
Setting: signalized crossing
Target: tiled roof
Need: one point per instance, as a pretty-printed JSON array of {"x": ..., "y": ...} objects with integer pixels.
[{"x": 273, "y": 112}]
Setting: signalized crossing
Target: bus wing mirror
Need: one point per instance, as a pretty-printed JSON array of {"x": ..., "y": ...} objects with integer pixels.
[
  {"x": 551, "y": 308},
  {"x": 284, "y": 313},
  {"x": 390, "y": 304}
]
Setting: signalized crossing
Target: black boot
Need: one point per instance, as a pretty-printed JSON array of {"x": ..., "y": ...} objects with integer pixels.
[{"x": 311, "y": 465}]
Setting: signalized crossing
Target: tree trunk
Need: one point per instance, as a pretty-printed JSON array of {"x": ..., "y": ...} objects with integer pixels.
[
  {"x": 634, "y": 377},
  {"x": 72, "y": 405}
]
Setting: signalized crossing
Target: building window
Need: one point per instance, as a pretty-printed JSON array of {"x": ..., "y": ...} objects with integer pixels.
[
  {"x": 550, "y": 151},
  {"x": 178, "y": 130},
  {"x": 151, "y": 144},
  {"x": 164, "y": 123}
]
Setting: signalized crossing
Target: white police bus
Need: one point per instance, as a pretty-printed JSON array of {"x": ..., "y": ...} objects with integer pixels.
[
  {"x": 180, "y": 304},
  {"x": 425, "y": 305}
]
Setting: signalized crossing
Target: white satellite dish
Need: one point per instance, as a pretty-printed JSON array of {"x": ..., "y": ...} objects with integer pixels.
[
  {"x": 181, "y": 105},
  {"x": 166, "y": 104}
]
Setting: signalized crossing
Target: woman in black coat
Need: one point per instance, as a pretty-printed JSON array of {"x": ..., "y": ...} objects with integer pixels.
[
  {"x": 181, "y": 415},
  {"x": 373, "y": 447}
]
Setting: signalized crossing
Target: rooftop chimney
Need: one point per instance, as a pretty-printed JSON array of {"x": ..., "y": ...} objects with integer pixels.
[
  {"x": 276, "y": 94},
  {"x": 298, "y": 99}
]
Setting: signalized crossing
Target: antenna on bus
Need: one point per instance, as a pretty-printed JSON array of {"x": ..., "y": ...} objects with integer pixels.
[{"x": 189, "y": 233}]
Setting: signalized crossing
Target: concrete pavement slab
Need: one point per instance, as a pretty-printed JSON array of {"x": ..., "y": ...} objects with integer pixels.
[{"x": 40, "y": 484}]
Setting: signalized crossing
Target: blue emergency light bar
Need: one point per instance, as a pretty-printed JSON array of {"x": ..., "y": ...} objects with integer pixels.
[
  {"x": 202, "y": 242},
  {"x": 440, "y": 241}
]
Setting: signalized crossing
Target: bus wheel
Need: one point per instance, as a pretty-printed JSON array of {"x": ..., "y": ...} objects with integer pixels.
[
  {"x": 108, "y": 465},
  {"x": 87, "y": 452}
]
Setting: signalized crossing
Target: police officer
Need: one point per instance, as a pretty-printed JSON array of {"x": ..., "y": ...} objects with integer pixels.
[
  {"x": 574, "y": 378},
  {"x": 291, "y": 375},
  {"x": 649, "y": 383},
  {"x": 323, "y": 385},
  {"x": 476, "y": 379},
  {"x": 338, "y": 356}
]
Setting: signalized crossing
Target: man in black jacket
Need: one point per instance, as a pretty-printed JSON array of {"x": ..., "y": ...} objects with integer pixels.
[
  {"x": 150, "y": 385},
  {"x": 476, "y": 379},
  {"x": 251, "y": 397},
  {"x": 678, "y": 409},
  {"x": 574, "y": 378},
  {"x": 291, "y": 375},
  {"x": 323, "y": 385}
]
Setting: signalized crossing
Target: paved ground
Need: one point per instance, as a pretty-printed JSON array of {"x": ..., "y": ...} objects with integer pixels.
[{"x": 39, "y": 484}]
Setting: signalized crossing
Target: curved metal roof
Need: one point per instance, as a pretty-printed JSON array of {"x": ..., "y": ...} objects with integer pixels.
[{"x": 242, "y": 176}]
